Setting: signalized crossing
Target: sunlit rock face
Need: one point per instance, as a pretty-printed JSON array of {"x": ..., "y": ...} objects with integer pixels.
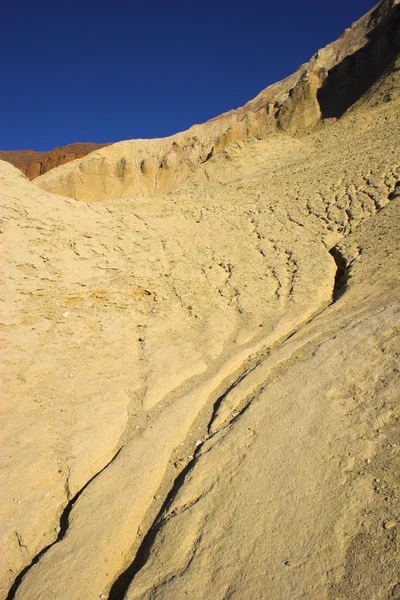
[{"x": 201, "y": 365}]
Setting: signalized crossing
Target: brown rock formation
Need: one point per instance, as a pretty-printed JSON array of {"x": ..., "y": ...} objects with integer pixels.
[{"x": 33, "y": 163}]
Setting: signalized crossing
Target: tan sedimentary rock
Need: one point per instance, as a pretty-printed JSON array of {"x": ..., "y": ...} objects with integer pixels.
[{"x": 201, "y": 387}]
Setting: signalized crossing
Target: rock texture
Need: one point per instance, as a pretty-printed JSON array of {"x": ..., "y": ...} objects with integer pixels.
[
  {"x": 33, "y": 163},
  {"x": 201, "y": 386}
]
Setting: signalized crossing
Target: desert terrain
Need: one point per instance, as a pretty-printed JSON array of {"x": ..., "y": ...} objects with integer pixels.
[{"x": 200, "y": 367}]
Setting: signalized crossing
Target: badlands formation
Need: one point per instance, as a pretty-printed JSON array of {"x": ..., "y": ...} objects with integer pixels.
[{"x": 201, "y": 351}]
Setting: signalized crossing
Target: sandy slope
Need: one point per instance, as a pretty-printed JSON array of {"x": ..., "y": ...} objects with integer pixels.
[
  {"x": 127, "y": 320},
  {"x": 290, "y": 498},
  {"x": 191, "y": 408}
]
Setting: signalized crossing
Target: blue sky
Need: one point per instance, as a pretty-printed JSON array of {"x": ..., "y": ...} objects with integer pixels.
[{"x": 85, "y": 70}]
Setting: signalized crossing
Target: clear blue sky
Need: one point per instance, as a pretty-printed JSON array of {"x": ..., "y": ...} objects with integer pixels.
[{"x": 99, "y": 71}]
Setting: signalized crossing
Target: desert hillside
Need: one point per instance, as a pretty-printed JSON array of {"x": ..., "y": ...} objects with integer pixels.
[
  {"x": 201, "y": 374},
  {"x": 334, "y": 79}
]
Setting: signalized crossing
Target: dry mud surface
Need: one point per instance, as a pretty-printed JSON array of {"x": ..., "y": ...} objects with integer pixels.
[{"x": 201, "y": 388}]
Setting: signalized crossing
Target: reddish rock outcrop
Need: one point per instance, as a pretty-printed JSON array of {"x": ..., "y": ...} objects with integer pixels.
[{"x": 33, "y": 163}]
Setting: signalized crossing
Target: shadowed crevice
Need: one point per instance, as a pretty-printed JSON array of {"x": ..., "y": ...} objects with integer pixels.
[
  {"x": 121, "y": 585},
  {"x": 342, "y": 273},
  {"x": 209, "y": 155},
  {"x": 64, "y": 524},
  {"x": 348, "y": 81}
]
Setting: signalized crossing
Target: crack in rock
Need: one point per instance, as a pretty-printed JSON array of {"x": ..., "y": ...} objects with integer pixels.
[{"x": 64, "y": 524}]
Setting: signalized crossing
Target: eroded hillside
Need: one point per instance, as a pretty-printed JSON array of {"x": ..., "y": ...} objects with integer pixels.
[
  {"x": 335, "y": 78},
  {"x": 201, "y": 385}
]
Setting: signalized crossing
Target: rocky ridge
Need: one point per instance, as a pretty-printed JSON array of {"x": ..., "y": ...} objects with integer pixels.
[{"x": 335, "y": 78}]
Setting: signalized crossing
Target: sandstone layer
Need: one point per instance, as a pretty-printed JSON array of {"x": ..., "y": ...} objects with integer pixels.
[{"x": 201, "y": 373}]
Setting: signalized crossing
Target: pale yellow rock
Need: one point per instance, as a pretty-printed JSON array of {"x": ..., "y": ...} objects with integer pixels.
[
  {"x": 179, "y": 363},
  {"x": 271, "y": 500}
]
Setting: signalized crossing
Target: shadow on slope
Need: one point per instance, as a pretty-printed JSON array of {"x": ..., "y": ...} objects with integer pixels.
[{"x": 348, "y": 81}]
